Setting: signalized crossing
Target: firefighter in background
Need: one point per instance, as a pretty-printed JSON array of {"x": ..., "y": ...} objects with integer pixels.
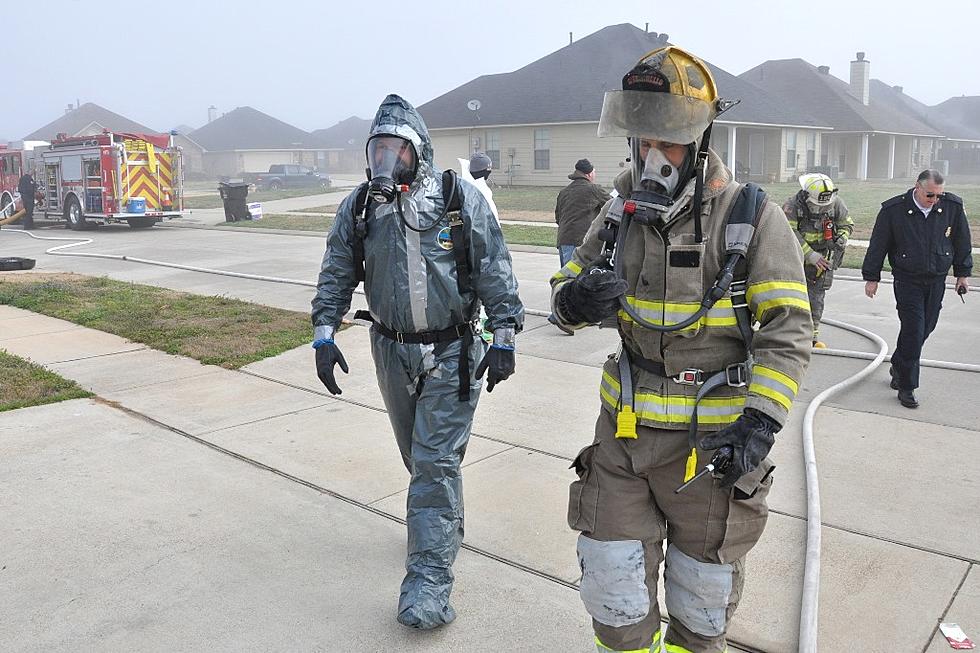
[
  {"x": 27, "y": 188},
  {"x": 819, "y": 217},
  {"x": 669, "y": 384},
  {"x": 426, "y": 271}
]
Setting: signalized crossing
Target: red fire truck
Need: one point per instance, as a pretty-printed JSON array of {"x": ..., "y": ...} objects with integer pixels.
[{"x": 101, "y": 179}]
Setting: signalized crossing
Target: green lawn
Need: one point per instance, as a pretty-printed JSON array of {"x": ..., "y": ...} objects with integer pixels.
[
  {"x": 214, "y": 201},
  {"x": 213, "y": 330},
  {"x": 287, "y": 221},
  {"x": 26, "y": 384},
  {"x": 526, "y": 198},
  {"x": 326, "y": 208}
]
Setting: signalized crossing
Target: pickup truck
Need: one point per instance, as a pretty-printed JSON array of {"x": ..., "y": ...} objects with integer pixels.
[{"x": 286, "y": 175}]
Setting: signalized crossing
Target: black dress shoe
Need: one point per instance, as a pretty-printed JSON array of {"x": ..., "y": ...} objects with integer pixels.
[{"x": 907, "y": 398}]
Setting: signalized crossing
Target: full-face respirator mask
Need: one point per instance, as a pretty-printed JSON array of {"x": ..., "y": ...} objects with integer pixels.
[{"x": 392, "y": 167}]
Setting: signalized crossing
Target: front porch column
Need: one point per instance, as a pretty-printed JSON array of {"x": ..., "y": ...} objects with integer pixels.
[
  {"x": 891, "y": 157},
  {"x": 731, "y": 148},
  {"x": 863, "y": 159}
]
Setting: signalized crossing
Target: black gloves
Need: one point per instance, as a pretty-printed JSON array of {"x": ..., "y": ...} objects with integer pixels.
[
  {"x": 500, "y": 360},
  {"x": 328, "y": 355},
  {"x": 591, "y": 297},
  {"x": 750, "y": 437}
]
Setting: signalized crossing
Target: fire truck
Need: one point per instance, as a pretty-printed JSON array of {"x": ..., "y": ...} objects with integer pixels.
[{"x": 105, "y": 178}]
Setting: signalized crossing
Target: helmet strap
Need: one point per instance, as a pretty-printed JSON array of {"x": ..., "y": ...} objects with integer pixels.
[{"x": 699, "y": 164}]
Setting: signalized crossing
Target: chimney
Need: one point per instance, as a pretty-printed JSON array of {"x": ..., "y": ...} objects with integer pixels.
[
  {"x": 69, "y": 108},
  {"x": 569, "y": 38},
  {"x": 898, "y": 89},
  {"x": 823, "y": 70},
  {"x": 861, "y": 78},
  {"x": 646, "y": 28},
  {"x": 212, "y": 113}
]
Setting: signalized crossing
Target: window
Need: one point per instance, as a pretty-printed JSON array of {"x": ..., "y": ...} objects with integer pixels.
[
  {"x": 542, "y": 149},
  {"x": 493, "y": 148},
  {"x": 791, "y": 150},
  {"x": 811, "y": 150}
]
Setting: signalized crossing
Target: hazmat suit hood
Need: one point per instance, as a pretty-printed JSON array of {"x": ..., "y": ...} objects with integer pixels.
[{"x": 397, "y": 117}]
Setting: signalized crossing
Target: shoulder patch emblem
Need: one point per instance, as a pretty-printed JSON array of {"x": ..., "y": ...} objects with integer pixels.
[{"x": 445, "y": 239}]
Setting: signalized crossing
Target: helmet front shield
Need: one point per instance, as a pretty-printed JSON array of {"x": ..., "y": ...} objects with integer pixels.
[{"x": 658, "y": 116}]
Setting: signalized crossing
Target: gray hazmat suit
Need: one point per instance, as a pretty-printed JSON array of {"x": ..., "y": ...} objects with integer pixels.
[{"x": 411, "y": 287}]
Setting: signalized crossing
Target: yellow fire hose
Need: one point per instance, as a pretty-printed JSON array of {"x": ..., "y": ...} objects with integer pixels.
[{"x": 14, "y": 218}]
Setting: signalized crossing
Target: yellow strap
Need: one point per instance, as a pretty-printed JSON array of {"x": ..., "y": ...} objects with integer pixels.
[
  {"x": 151, "y": 157},
  {"x": 692, "y": 465},
  {"x": 626, "y": 423}
]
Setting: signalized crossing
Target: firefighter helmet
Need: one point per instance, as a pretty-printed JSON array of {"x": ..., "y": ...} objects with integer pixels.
[
  {"x": 669, "y": 95},
  {"x": 819, "y": 189}
]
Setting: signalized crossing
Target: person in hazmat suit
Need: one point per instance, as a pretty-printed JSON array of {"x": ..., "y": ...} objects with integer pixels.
[
  {"x": 430, "y": 252},
  {"x": 819, "y": 217},
  {"x": 707, "y": 282}
]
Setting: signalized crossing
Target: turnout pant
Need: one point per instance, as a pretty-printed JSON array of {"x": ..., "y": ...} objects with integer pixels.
[
  {"x": 420, "y": 388},
  {"x": 816, "y": 290},
  {"x": 918, "y": 305},
  {"x": 626, "y": 509}
]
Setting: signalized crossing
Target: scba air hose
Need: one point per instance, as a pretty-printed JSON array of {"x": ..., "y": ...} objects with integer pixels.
[{"x": 811, "y": 580}]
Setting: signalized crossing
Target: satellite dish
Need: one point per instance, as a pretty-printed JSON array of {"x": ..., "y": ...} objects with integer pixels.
[{"x": 473, "y": 105}]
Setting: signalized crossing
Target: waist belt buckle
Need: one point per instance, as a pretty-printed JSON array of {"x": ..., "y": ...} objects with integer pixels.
[
  {"x": 399, "y": 337},
  {"x": 736, "y": 375},
  {"x": 690, "y": 376}
]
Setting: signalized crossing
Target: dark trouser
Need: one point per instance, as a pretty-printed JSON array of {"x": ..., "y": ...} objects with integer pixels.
[
  {"x": 918, "y": 305},
  {"x": 28, "y": 220}
]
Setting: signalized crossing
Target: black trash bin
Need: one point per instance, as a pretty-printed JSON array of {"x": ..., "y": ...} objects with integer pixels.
[{"x": 234, "y": 197}]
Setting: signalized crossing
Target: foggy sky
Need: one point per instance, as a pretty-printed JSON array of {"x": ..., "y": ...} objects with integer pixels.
[{"x": 313, "y": 63}]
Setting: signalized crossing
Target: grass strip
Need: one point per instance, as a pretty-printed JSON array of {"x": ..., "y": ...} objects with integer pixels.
[
  {"x": 26, "y": 384},
  {"x": 214, "y": 330}
]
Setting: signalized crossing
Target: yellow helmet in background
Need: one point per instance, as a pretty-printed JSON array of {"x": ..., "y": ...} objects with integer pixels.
[
  {"x": 669, "y": 95},
  {"x": 819, "y": 188}
]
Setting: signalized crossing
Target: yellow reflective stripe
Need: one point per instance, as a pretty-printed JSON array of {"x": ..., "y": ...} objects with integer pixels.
[
  {"x": 806, "y": 248},
  {"x": 676, "y": 409},
  {"x": 655, "y": 646},
  {"x": 570, "y": 271},
  {"x": 776, "y": 375},
  {"x": 771, "y": 294},
  {"x": 773, "y": 384},
  {"x": 668, "y": 313}
]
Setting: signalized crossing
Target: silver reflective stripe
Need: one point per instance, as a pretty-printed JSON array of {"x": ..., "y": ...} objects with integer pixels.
[
  {"x": 418, "y": 286},
  {"x": 773, "y": 384},
  {"x": 778, "y": 293},
  {"x": 613, "y": 586},
  {"x": 697, "y": 593}
]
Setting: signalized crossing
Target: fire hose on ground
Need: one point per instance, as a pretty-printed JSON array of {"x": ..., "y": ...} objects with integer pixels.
[{"x": 811, "y": 579}]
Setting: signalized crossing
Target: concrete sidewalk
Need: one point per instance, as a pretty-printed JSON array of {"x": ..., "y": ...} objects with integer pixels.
[{"x": 192, "y": 507}]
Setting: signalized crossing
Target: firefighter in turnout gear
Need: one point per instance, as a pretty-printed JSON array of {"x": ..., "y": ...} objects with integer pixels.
[
  {"x": 707, "y": 369},
  {"x": 819, "y": 217}
]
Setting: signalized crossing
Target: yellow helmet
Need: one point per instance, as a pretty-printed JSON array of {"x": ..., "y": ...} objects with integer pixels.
[
  {"x": 819, "y": 188},
  {"x": 669, "y": 95}
]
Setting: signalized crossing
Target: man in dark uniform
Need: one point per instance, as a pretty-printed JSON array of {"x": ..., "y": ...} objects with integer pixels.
[
  {"x": 27, "y": 188},
  {"x": 923, "y": 231}
]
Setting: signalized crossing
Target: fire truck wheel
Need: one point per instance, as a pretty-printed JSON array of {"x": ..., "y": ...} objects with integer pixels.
[
  {"x": 73, "y": 215},
  {"x": 141, "y": 223}
]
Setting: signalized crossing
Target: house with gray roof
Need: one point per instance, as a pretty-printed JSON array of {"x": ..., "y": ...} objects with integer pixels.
[
  {"x": 246, "y": 139},
  {"x": 961, "y": 115},
  {"x": 874, "y": 133},
  {"x": 344, "y": 143},
  {"x": 87, "y": 120},
  {"x": 535, "y": 122}
]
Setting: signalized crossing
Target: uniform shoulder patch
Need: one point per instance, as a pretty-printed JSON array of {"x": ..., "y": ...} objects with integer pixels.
[{"x": 717, "y": 184}]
